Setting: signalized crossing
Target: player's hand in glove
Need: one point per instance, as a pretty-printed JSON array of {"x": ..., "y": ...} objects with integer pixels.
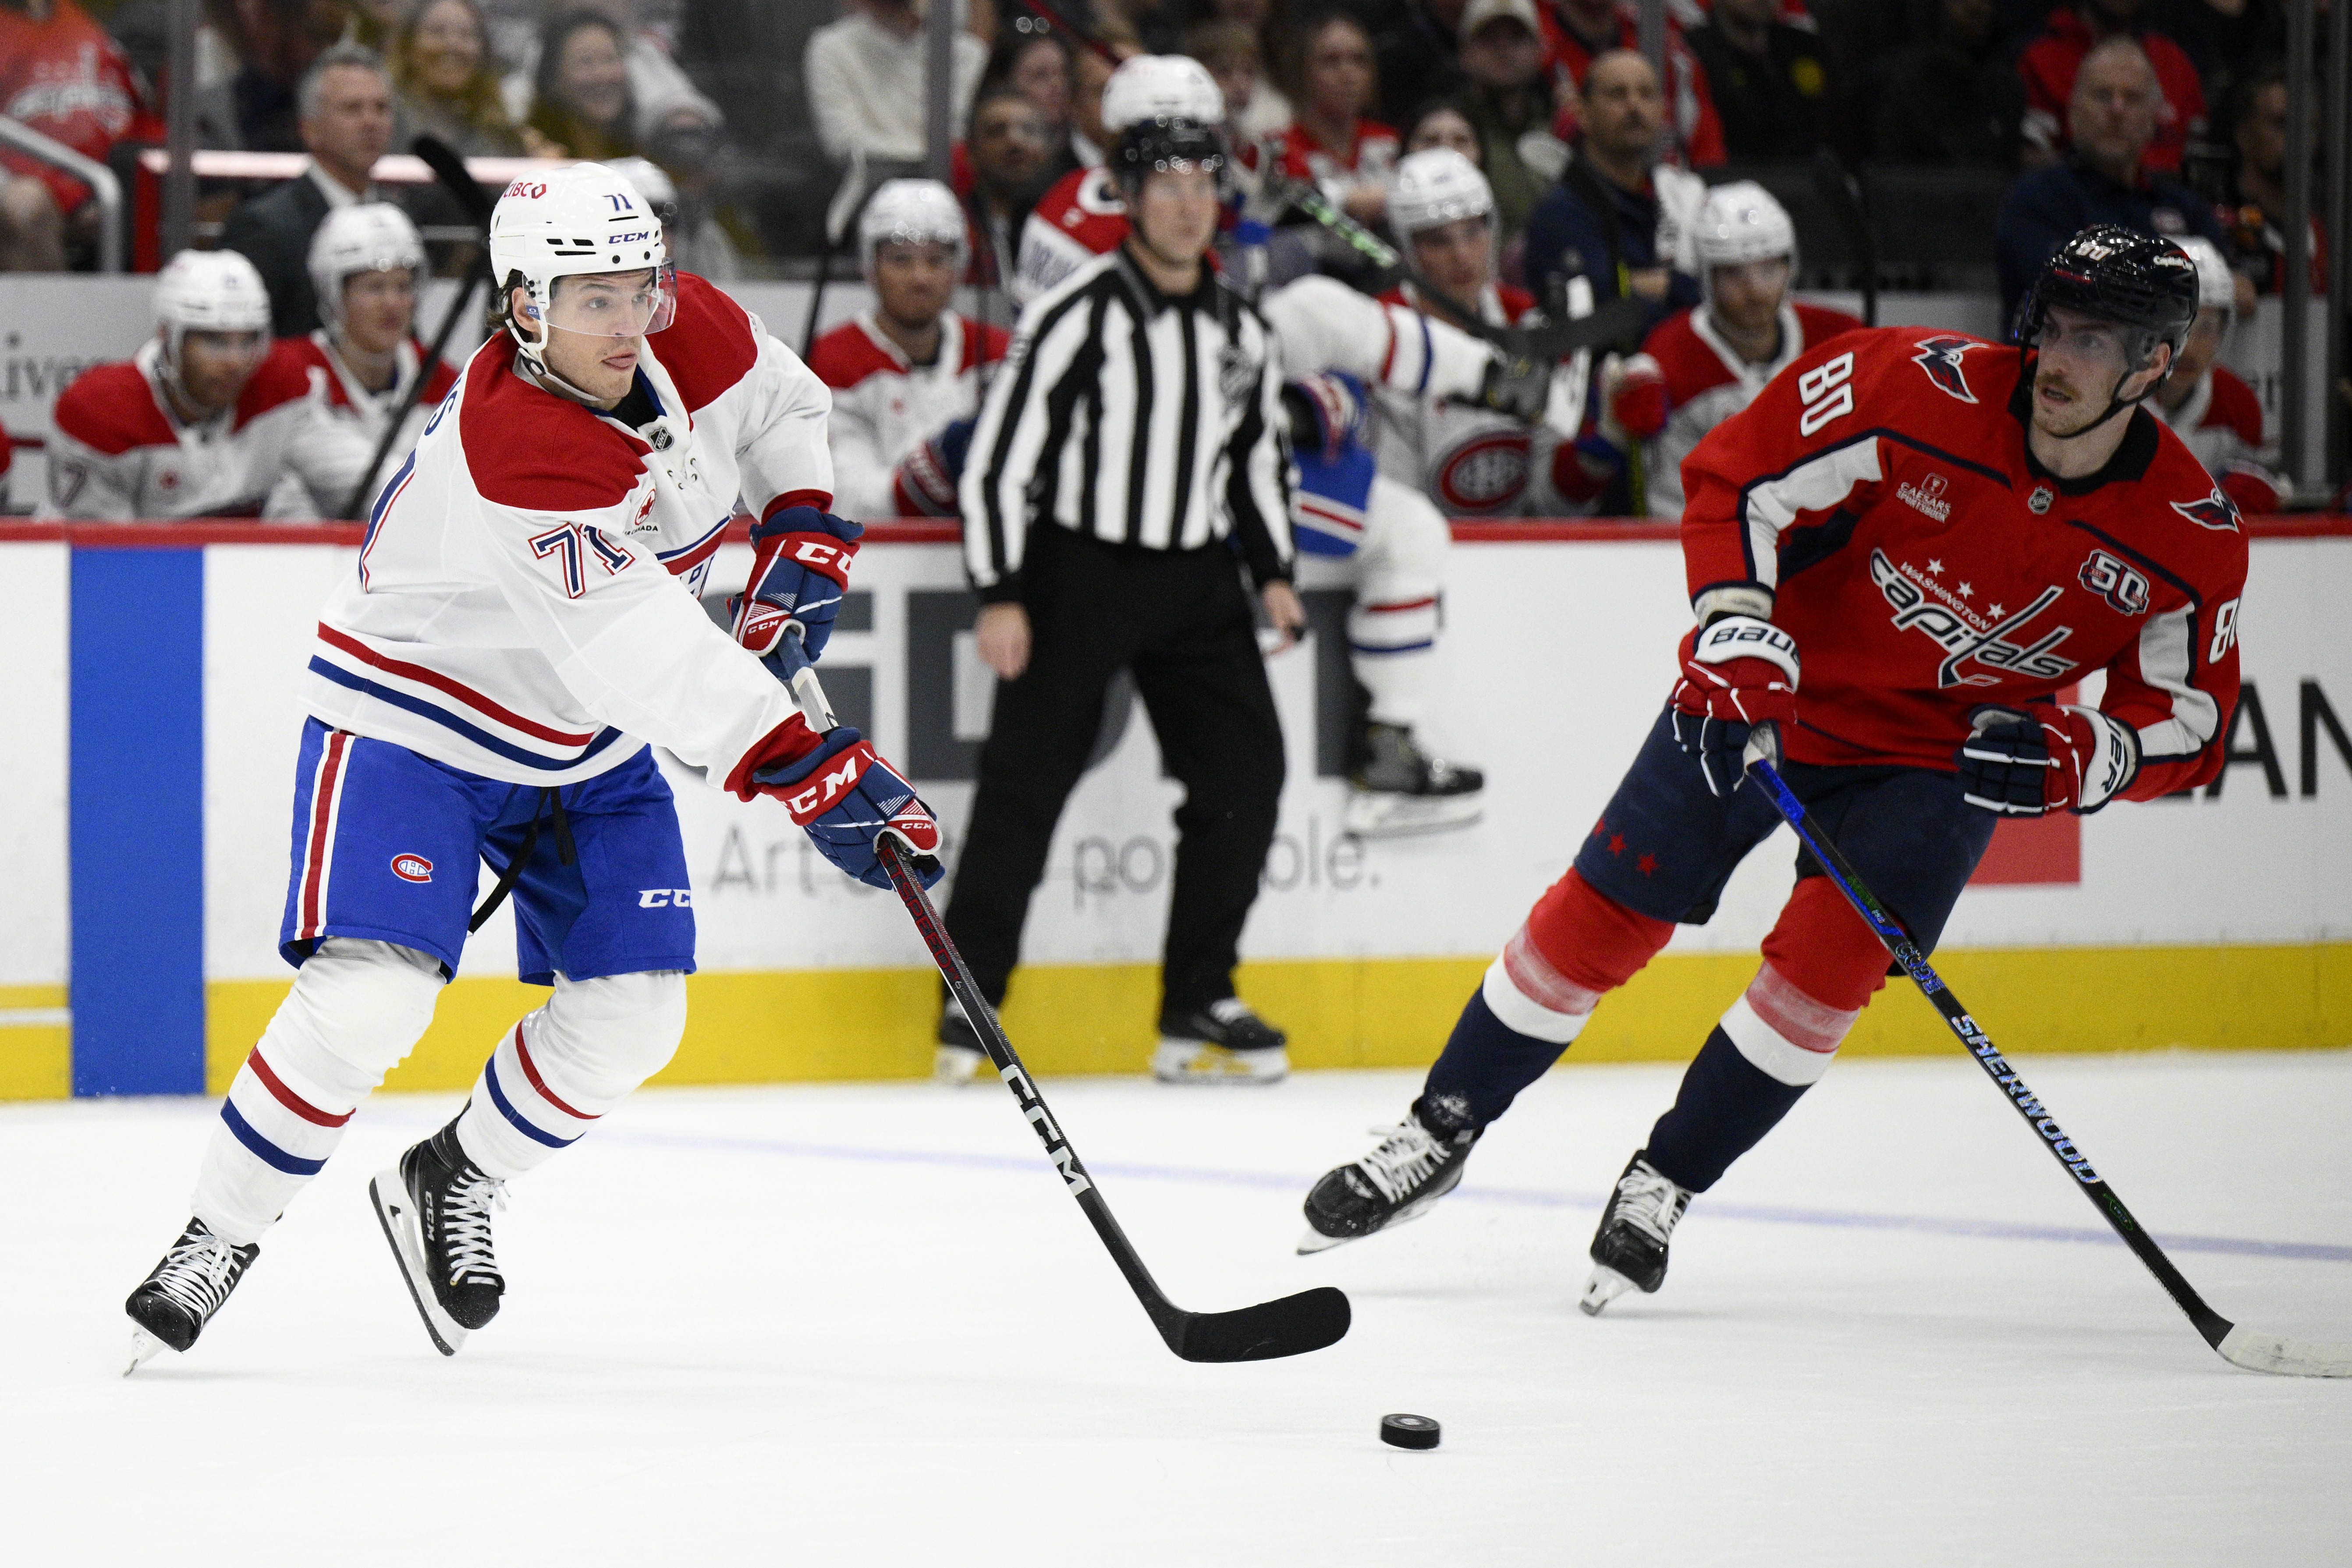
[
  {"x": 846, "y": 796},
  {"x": 2044, "y": 757},
  {"x": 1517, "y": 385},
  {"x": 1738, "y": 672},
  {"x": 1325, "y": 411},
  {"x": 1636, "y": 392},
  {"x": 924, "y": 484},
  {"x": 799, "y": 572}
]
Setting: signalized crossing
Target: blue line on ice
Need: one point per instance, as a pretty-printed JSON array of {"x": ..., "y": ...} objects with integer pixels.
[{"x": 1768, "y": 1213}]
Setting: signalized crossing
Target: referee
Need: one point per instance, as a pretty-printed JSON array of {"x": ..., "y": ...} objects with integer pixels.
[{"x": 1133, "y": 447}]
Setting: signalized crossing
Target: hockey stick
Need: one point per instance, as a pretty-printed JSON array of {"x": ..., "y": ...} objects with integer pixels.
[
  {"x": 848, "y": 200},
  {"x": 450, "y": 171},
  {"x": 2240, "y": 1347},
  {"x": 1291, "y": 1326}
]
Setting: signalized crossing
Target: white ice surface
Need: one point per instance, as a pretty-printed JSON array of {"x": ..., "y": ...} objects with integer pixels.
[{"x": 862, "y": 1324}]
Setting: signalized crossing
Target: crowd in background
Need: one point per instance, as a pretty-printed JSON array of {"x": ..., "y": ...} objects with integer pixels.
[{"x": 756, "y": 135}]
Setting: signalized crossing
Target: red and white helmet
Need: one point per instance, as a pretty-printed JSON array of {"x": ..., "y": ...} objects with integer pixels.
[
  {"x": 1740, "y": 222},
  {"x": 1161, "y": 87},
  {"x": 208, "y": 291},
  {"x": 2217, "y": 286},
  {"x": 368, "y": 236},
  {"x": 576, "y": 222},
  {"x": 1434, "y": 187},
  {"x": 912, "y": 211}
]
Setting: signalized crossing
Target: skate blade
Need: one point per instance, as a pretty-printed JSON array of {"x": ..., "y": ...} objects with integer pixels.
[
  {"x": 143, "y": 1346},
  {"x": 1370, "y": 814},
  {"x": 957, "y": 1067},
  {"x": 1314, "y": 1241},
  {"x": 1605, "y": 1286},
  {"x": 396, "y": 1213},
  {"x": 1191, "y": 1062}
]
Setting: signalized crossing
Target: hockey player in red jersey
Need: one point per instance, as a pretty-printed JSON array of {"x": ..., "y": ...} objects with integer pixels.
[
  {"x": 520, "y": 627},
  {"x": 1949, "y": 534},
  {"x": 366, "y": 261},
  {"x": 2209, "y": 406},
  {"x": 203, "y": 420},
  {"x": 906, "y": 375},
  {"x": 1699, "y": 367}
]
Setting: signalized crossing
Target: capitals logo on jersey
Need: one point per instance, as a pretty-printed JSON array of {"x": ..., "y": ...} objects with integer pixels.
[
  {"x": 1940, "y": 357},
  {"x": 2215, "y": 510}
]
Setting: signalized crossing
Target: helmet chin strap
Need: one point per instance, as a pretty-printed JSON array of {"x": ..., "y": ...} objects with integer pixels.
[{"x": 530, "y": 352}]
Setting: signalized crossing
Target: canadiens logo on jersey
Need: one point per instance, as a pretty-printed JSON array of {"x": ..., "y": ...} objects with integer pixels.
[
  {"x": 1967, "y": 635},
  {"x": 1485, "y": 473},
  {"x": 2214, "y": 512},
  {"x": 412, "y": 868},
  {"x": 1940, "y": 357}
]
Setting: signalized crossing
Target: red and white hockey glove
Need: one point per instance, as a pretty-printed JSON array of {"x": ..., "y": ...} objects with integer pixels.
[
  {"x": 2253, "y": 488},
  {"x": 799, "y": 572},
  {"x": 1737, "y": 673},
  {"x": 1637, "y": 397},
  {"x": 924, "y": 483},
  {"x": 842, "y": 792},
  {"x": 2044, "y": 757}
]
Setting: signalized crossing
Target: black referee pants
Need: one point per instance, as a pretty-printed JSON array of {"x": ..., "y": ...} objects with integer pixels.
[{"x": 1181, "y": 624}]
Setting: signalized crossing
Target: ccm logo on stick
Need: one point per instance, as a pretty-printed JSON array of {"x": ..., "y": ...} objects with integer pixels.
[
  {"x": 412, "y": 868},
  {"x": 665, "y": 899}
]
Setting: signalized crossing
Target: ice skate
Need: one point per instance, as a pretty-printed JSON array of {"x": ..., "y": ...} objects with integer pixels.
[
  {"x": 1629, "y": 1251},
  {"x": 1413, "y": 1166},
  {"x": 435, "y": 1209},
  {"x": 960, "y": 1055},
  {"x": 180, "y": 1293},
  {"x": 1396, "y": 789},
  {"x": 1226, "y": 1042}
]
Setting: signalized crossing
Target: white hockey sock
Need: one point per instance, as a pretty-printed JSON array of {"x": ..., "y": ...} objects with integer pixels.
[
  {"x": 568, "y": 1063},
  {"x": 356, "y": 1009},
  {"x": 1531, "y": 997},
  {"x": 1786, "y": 1034},
  {"x": 1398, "y": 679}
]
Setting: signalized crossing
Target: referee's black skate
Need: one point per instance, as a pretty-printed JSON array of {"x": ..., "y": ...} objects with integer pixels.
[
  {"x": 435, "y": 1205},
  {"x": 181, "y": 1294},
  {"x": 1416, "y": 1162},
  {"x": 1629, "y": 1251},
  {"x": 1396, "y": 789},
  {"x": 1224, "y": 1042}
]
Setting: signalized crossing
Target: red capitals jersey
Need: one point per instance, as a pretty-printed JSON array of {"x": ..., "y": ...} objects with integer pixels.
[
  {"x": 1881, "y": 488},
  {"x": 69, "y": 80}
]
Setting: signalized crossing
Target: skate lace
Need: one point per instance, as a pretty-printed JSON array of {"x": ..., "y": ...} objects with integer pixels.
[
  {"x": 466, "y": 1228},
  {"x": 197, "y": 1274},
  {"x": 1403, "y": 1160},
  {"x": 1649, "y": 1202}
]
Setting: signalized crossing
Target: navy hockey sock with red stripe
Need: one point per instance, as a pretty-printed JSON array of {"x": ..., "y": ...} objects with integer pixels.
[{"x": 1725, "y": 1106}]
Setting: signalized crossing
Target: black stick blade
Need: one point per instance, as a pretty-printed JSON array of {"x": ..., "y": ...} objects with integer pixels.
[{"x": 1292, "y": 1326}]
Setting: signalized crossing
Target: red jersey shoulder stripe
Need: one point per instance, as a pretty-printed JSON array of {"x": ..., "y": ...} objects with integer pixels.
[
  {"x": 534, "y": 451},
  {"x": 111, "y": 408},
  {"x": 709, "y": 346}
]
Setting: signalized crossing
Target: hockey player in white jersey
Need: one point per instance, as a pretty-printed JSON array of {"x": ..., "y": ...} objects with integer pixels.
[
  {"x": 366, "y": 263},
  {"x": 203, "y": 420},
  {"x": 522, "y": 622},
  {"x": 906, "y": 375},
  {"x": 2209, "y": 406}
]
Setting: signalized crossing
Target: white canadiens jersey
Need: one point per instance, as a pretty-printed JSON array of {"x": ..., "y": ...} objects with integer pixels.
[
  {"x": 120, "y": 453},
  {"x": 1472, "y": 461},
  {"x": 884, "y": 405},
  {"x": 1707, "y": 382},
  {"x": 526, "y": 602},
  {"x": 1078, "y": 219}
]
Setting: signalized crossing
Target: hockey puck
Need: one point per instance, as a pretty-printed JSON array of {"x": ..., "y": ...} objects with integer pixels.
[{"x": 1408, "y": 1431}]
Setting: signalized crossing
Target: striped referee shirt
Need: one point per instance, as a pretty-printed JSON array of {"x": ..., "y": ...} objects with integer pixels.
[{"x": 1134, "y": 417}]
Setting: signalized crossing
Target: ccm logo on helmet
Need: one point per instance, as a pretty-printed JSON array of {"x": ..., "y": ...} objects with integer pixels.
[
  {"x": 412, "y": 868},
  {"x": 630, "y": 238}
]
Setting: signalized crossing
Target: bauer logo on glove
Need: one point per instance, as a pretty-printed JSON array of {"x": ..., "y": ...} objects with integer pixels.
[{"x": 1738, "y": 672}]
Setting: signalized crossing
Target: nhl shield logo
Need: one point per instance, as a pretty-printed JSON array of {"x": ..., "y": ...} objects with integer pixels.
[
  {"x": 2040, "y": 500},
  {"x": 1236, "y": 374}
]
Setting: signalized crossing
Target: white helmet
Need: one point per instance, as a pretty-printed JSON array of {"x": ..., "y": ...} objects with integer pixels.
[
  {"x": 1161, "y": 87},
  {"x": 914, "y": 211},
  {"x": 653, "y": 182},
  {"x": 571, "y": 223},
  {"x": 1434, "y": 186},
  {"x": 208, "y": 291},
  {"x": 2217, "y": 286},
  {"x": 1741, "y": 222},
  {"x": 368, "y": 236}
]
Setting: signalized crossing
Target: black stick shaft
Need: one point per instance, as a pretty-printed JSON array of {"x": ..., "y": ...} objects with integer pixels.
[
  {"x": 2027, "y": 1104},
  {"x": 476, "y": 276}
]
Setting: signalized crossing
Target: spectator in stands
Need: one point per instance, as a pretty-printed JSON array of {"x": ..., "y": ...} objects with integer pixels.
[
  {"x": 654, "y": 76},
  {"x": 63, "y": 76},
  {"x": 258, "y": 109},
  {"x": 446, "y": 84},
  {"x": 1578, "y": 32},
  {"x": 1088, "y": 139},
  {"x": 376, "y": 24},
  {"x": 906, "y": 375},
  {"x": 2106, "y": 179},
  {"x": 1950, "y": 97},
  {"x": 1332, "y": 143},
  {"x": 2256, "y": 197},
  {"x": 346, "y": 107},
  {"x": 865, "y": 81},
  {"x": 1440, "y": 122},
  {"x": 1039, "y": 66},
  {"x": 2209, "y": 405},
  {"x": 1254, "y": 107},
  {"x": 1508, "y": 103},
  {"x": 1008, "y": 149},
  {"x": 201, "y": 421},
  {"x": 1416, "y": 49},
  {"x": 2049, "y": 62},
  {"x": 1268, "y": 22},
  {"x": 1767, "y": 78},
  {"x": 1619, "y": 217},
  {"x": 581, "y": 105}
]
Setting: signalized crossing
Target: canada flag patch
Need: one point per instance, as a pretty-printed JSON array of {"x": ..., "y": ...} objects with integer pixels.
[{"x": 412, "y": 868}]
